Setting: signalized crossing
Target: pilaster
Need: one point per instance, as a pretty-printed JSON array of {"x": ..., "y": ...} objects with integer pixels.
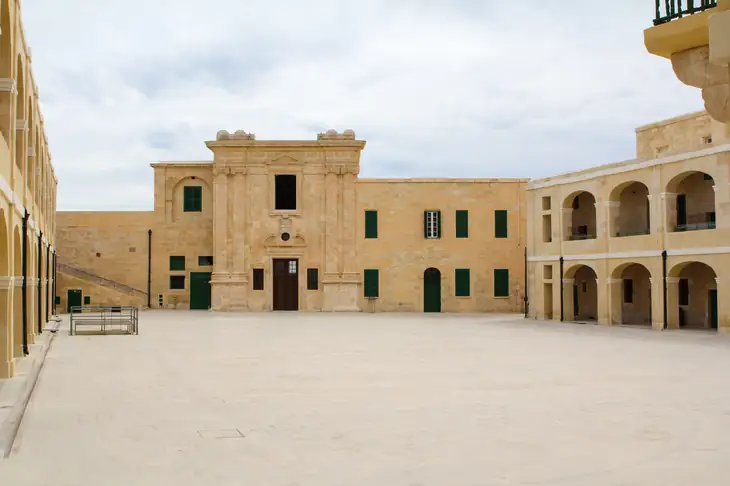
[
  {"x": 568, "y": 304},
  {"x": 672, "y": 303},
  {"x": 613, "y": 289}
]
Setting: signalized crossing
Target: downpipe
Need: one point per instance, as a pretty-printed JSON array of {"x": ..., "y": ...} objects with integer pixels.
[
  {"x": 24, "y": 288},
  {"x": 562, "y": 297},
  {"x": 664, "y": 282}
]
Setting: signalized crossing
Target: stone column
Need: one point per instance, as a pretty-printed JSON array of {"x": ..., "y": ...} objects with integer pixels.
[
  {"x": 669, "y": 213},
  {"x": 221, "y": 272},
  {"x": 568, "y": 299},
  {"x": 605, "y": 298},
  {"x": 239, "y": 241},
  {"x": 657, "y": 303},
  {"x": 613, "y": 209},
  {"x": 615, "y": 301},
  {"x": 7, "y": 364},
  {"x": 723, "y": 307},
  {"x": 672, "y": 303},
  {"x": 566, "y": 223}
]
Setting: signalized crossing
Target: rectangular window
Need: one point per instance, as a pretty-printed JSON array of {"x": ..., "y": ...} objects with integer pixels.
[
  {"x": 177, "y": 263},
  {"x": 312, "y": 279},
  {"x": 432, "y": 224},
  {"x": 58, "y": 300},
  {"x": 628, "y": 291},
  {"x": 546, "y": 203},
  {"x": 192, "y": 199},
  {"x": 371, "y": 224},
  {"x": 683, "y": 291},
  {"x": 462, "y": 282},
  {"x": 547, "y": 228},
  {"x": 87, "y": 300},
  {"x": 547, "y": 272},
  {"x": 500, "y": 223},
  {"x": 177, "y": 282},
  {"x": 258, "y": 279},
  {"x": 205, "y": 261},
  {"x": 462, "y": 223},
  {"x": 501, "y": 282},
  {"x": 286, "y": 192},
  {"x": 371, "y": 284}
]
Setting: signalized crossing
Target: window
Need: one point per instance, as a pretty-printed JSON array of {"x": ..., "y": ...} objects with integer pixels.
[
  {"x": 683, "y": 291},
  {"x": 682, "y": 210},
  {"x": 371, "y": 224},
  {"x": 462, "y": 224},
  {"x": 292, "y": 267},
  {"x": 312, "y": 279},
  {"x": 286, "y": 192},
  {"x": 628, "y": 291},
  {"x": 547, "y": 272},
  {"x": 58, "y": 300},
  {"x": 177, "y": 282},
  {"x": 193, "y": 199},
  {"x": 87, "y": 300},
  {"x": 707, "y": 139},
  {"x": 371, "y": 283},
  {"x": 500, "y": 223},
  {"x": 462, "y": 282},
  {"x": 258, "y": 279},
  {"x": 546, "y": 203},
  {"x": 432, "y": 224},
  {"x": 205, "y": 261},
  {"x": 177, "y": 263},
  {"x": 501, "y": 282},
  {"x": 547, "y": 228}
]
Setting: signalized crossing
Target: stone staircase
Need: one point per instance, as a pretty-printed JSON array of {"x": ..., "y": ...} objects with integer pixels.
[{"x": 104, "y": 282}]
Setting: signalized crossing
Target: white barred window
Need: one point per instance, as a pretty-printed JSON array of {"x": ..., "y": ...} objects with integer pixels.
[{"x": 432, "y": 224}]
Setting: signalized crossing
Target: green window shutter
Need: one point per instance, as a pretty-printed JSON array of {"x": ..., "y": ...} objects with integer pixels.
[
  {"x": 371, "y": 284},
  {"x": 438, "y": 216},
  {"x": 87, "y": 300},
  {"x": 462, "y": 224},
  {"x": 177, "y": 263},
  {"x": 501, "y": 282},
  {"x": 371, "y": 224},
  {"x": 425, "y": 224},
  {"x": 463, "y": 282},
  {"x": 500, "y": 223},
  {"x": 193, "y": 198}
]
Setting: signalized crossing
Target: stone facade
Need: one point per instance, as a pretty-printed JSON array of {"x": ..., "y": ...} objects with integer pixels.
[
  {"x": 607, "y": 242},
  {"x": 240, "y": 227}
]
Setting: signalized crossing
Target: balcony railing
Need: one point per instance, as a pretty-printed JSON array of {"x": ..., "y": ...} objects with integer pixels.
[
  {"x": 668, "y": 10},
  {"x": 580, "y": 236},
  {"x": 696, "y": 226},
  {"x": 644, "y": 231}
]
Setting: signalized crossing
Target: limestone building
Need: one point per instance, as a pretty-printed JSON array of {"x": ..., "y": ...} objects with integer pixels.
[
  {"x": 27, "y": 198},
  {"x": 289, "y": 225}
]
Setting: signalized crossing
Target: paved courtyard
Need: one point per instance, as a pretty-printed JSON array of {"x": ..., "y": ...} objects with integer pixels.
[{"x": 401, "y": 400}]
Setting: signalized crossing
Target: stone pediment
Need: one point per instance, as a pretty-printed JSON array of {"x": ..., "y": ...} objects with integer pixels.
[
  {"x": 275, "y": 241},
  {"x": 284, "y": 160}
]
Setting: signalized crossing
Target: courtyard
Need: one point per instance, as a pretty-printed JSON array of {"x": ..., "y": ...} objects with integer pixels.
[{"x": 376, "y": 399}]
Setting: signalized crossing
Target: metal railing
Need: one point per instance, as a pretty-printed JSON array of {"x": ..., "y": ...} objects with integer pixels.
[
  {"x": 644, "y": 231},
  {"x": 104, "y": 320},
  {"x": 581, "y": 236},
  {"x": 705, "y": 225},
  {"x": 668, "y": 10}
]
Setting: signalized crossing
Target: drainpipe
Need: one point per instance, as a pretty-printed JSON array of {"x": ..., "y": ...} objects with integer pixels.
[
  {"x": 527, "y": 300},
  {"x": 664, "y": 281},
  {"x": 48, "y": 282},
  {"x": 24, "y": 291},
  {"x": 562, "y": 311},
  {"x": 40, "y": 272},
  {"x": 149, "y": 269},
  {"x": 54, "y": 283}
]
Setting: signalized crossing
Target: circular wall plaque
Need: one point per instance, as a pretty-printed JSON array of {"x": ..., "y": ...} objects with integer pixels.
[{"x": 285, "y": 236}]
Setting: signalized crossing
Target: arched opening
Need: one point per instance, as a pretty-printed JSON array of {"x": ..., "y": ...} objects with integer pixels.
[
  {"x": 632, "y": 304},
  {"x": 631, "y": 213},
  {"x": 17, "y": 297},
  {"x": 6, "y": 342},
  {"x": 581, "y": 207},
  {"x": 20, "y": 118},
  {"x": 432, "y": 290},
  {"x": 694, "y": 296},
  {"x": 30, "y": 156},
  {"x": 6, "y": 71},
  {"x": 580, "y": 290},
  {"x": 694, "y": 207}
]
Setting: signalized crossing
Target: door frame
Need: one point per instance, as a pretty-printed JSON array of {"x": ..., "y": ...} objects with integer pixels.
[
  {"x": 68, "y": 300},
  {"x": 270, "y": 284},
  {"x": 441, "y": 288},
  {"x": 190, "y": 290}
]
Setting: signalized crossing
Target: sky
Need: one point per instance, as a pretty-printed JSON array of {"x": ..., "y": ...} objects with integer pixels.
[{"x": 452, "y": 88}]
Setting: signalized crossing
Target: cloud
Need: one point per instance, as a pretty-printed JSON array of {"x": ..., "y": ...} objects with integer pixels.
[{"x": 459, "y": 88}]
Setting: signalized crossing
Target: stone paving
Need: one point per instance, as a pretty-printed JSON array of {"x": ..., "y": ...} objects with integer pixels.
[{"x": 388, "y": 400}]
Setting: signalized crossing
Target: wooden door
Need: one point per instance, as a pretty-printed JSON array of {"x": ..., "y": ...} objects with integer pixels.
[
  {"x": 200, "y": 290},
  {"x": 74, "y": 300},
  {"x": 432, "y": 290},
  {"x": 286, "y": 284}
]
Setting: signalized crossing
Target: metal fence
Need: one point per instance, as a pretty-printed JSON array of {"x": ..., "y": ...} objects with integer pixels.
[
  {"x": 668, "y": 10},
  {"x": 104, "y": 320}
]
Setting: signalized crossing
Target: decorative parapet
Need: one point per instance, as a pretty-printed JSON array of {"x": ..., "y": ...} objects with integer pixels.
[
  {"x": 335, "y": 135},
  {"x": 238, "y": 135}
]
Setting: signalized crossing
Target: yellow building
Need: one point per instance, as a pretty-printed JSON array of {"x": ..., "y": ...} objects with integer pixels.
[
  {"x": 288, "y": 225},
  {"x": 640, "y": 242},
  {"x": 27, "y": 198}
]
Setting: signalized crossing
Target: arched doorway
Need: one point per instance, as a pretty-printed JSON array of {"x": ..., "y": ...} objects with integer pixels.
[
  {"x": 17, "y": 298},
  {"x": 582, "y": 218},
  {"x": 631, "y": 214},
  {"x": 581, "y": 294},
  {"x": 632, "y": 304},
  {"x": 693, "y": 299},
  {"x": 694, "y": 208},
  {"x": 432, "y": 290},
  {"x": 6, "y": 331}
]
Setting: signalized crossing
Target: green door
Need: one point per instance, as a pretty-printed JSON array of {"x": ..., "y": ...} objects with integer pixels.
[
  {"x": 200, "y": 290},
  {"x": 74, "y": 300},
  {"x": 576, "y": 307},
  {"x": 712, "y": 301},
  {"x": 432, "y": 290}
]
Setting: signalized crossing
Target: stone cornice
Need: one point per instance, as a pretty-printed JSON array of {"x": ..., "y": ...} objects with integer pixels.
[{"x": 287, "y": 144}]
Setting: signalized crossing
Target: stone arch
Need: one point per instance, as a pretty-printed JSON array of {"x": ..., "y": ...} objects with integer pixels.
[
  {"x": 6, "y": 71},
  {"x": 631, "y": 302},
  {"x": 20, "y": 115},
  {"x": 177, "y": 193},
  {"x": 6, "y": 325},
  {"x": 579, "y": 209},
  {"x": 693, "y": 205},
  {"x": 630, "y": 209},
  {"x": 580, "y": 293},
  {"x": 690, "y": 287}
]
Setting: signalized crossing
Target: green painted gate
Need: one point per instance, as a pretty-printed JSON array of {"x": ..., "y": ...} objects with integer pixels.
[
  {"x": 432, "y": 290},
  {"x": 712, "y": 302},
  {"x": 200, "y": 290},
  {"x": 74, "y": 300}
]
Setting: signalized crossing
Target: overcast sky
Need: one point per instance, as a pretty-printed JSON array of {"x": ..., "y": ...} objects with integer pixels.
[{"x": 453, "y": 88}]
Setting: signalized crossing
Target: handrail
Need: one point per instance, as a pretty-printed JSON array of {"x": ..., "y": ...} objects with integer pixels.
[
  {"x": 70, "y": 269},
  {"x": 668, "y": 10}
]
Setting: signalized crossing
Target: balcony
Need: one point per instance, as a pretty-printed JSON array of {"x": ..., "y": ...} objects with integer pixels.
[
  {"x": 709, "y": 223},
  {"x": 580, "y": 236},
  {"x": 637, "y": 232},
  {"x": 668, "y": 10}
]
